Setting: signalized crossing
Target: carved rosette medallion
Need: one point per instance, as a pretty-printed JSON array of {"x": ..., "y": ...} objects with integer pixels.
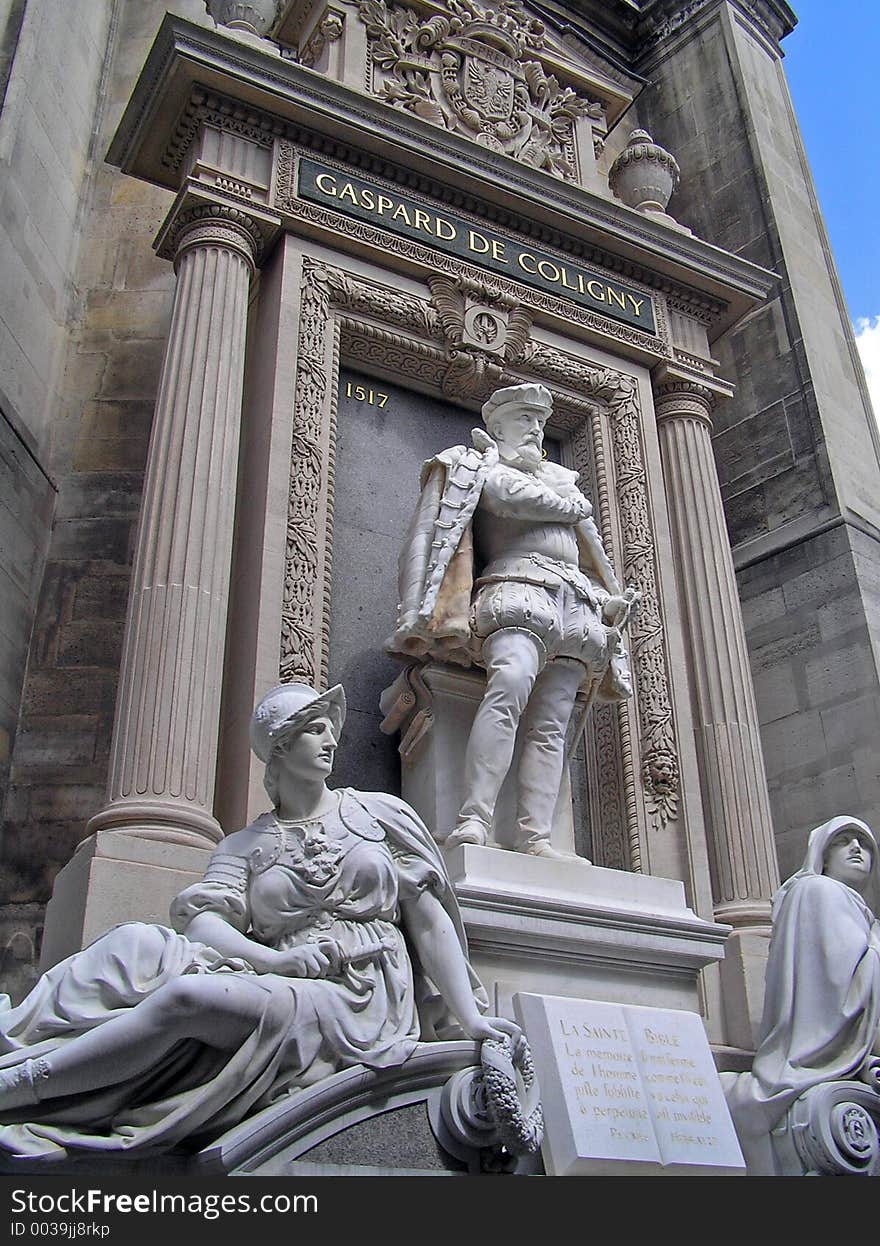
[{"x": 467, "y": 72}]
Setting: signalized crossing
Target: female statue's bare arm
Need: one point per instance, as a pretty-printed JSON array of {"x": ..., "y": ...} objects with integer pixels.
[
  {"x": 433, "y": 934},
  {"x": 307, "y": 961}
]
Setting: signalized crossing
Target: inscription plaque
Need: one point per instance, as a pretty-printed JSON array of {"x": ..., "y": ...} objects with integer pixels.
[
  {"x": 416, "y": 219},
  {"x": 627, "y": 1089}
]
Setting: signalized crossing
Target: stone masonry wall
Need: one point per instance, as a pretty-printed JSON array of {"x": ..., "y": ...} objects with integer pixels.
[
  {"x": 111, "y": 352},
  {"x": 796, "y": 448},
  {"x": 51, "y": 61}
]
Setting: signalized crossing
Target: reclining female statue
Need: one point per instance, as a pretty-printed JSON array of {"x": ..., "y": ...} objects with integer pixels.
[
  {"x": 821, "y": 1019},
  {"x": 301, "y": 952}
]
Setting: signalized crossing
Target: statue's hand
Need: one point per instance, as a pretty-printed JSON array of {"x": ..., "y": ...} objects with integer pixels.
[
  {"x": 309, "y": 960},
  {"x": 581, "y": 507},
  {"x": 492, "y": 1027}
]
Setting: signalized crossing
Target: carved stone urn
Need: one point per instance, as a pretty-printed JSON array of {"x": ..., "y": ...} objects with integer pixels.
[
  {"x": 644, "y": 175},
  {"x": 254, "y": 17}
]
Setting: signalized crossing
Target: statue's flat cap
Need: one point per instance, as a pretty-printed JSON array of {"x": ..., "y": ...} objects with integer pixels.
[{"x": 534, "y": 397}]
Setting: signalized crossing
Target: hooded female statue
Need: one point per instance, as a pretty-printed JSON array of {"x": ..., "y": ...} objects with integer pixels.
[
  {"x": 325, "y": 934},
  {"x": 821, "y": 1019}
]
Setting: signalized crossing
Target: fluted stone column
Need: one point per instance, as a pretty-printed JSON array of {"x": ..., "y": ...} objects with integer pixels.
[
  {"x": 164, "y": 749},
  {"x": 735, "y": 797},
  {"x": 735, "y": 801}
]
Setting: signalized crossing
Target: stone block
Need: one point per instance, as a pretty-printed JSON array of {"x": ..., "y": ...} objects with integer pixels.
[
  {"x": 86, "y": 495},
  {"x": 845, "y": 671},
  {"x": 79, "y": 539},
  {"x": 136, "y": 267},
  {"x": 768, "y": 607},
  {"x": 746, "y": 515},
  {"x": 753, "y": 449},
  {"x": 777, "y": 693},
  {"x": 794, "y": 493},
  {"x": 825, "y": 579},
  {"x": 91, "y": 643},
  {"x": 46, "y": 741},
  {"x": 134, "y": 372},
  {"x": 783, "y": 642},
  {"x": 101, "y": 598},
  {"x": 62, "y": 802},
  {"x": 113, "y": 437},
  {"x": 140, "y": 314},
  {"x": 850, "y": 722},
  {"x": 795, "y": 742}
]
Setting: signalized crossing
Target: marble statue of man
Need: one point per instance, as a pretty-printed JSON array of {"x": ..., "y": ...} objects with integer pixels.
[{"x": 504, "y": 566}]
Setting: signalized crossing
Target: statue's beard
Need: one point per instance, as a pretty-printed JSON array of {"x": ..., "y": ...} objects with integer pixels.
[{"x": 527, "y": 456}]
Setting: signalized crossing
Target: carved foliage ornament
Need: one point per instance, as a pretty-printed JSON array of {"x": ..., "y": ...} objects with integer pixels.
[
  {"x": 483, "y": 328},
  {"x": 466, "y": 72}
]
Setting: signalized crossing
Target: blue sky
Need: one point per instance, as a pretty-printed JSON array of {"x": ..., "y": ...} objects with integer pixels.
[{"x": 832, "y": 63}]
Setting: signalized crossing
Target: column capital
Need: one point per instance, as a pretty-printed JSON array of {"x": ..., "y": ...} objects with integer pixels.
[
  {"x": 200, "y": 219},
  {"x": 680, "y": 395}
]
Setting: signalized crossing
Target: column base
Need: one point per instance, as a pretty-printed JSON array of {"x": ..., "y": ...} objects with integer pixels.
[
  {"x": 114, "y": 877},
  {"x": 162, "y": 821},
  {"x": 575, "y": 929}
]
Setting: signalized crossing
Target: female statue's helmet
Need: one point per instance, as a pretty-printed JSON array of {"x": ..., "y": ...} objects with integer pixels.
[{"x": 287, "y": 708}]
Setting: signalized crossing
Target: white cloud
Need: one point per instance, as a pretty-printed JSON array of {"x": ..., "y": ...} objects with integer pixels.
[{"x": 868, "y": 341}]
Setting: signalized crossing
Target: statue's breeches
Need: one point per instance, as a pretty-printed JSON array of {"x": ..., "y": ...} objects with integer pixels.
[{"x": 564, "y": 622}]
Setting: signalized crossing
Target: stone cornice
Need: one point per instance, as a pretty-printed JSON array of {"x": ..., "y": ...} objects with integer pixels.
[
  {"x": 302, "y": 103},
  {"x": 659, "y": 19}
]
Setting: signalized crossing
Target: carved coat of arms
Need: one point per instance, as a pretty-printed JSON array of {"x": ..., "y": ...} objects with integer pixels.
[{"x": 468, "y": 72}]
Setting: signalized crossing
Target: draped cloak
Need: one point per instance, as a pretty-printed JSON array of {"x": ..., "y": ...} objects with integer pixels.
[{"x": 822, "y": 995}]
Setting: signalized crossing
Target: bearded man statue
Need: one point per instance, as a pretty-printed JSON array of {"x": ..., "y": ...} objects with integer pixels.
[{"x": 504, "y": 567}]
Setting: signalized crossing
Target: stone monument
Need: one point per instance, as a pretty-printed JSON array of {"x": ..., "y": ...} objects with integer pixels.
[
  {"x": 504, "y": 566},
  {"x": 811, "y": 1104}
]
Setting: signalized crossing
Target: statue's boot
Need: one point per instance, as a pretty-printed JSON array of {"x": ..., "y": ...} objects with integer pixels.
[
  {"x": 468, "y": 831},
  {"x": 543, "y": 848}
]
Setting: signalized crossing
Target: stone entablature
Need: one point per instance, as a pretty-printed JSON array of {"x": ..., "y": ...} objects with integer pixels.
[{"x": 277, "y": 99}]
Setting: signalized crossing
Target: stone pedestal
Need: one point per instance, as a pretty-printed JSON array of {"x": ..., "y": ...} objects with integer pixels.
[
  {"x": 433, "y": 708},
  {"x": 114, "y": 877},
  {"x": 572, "y": 929}
]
